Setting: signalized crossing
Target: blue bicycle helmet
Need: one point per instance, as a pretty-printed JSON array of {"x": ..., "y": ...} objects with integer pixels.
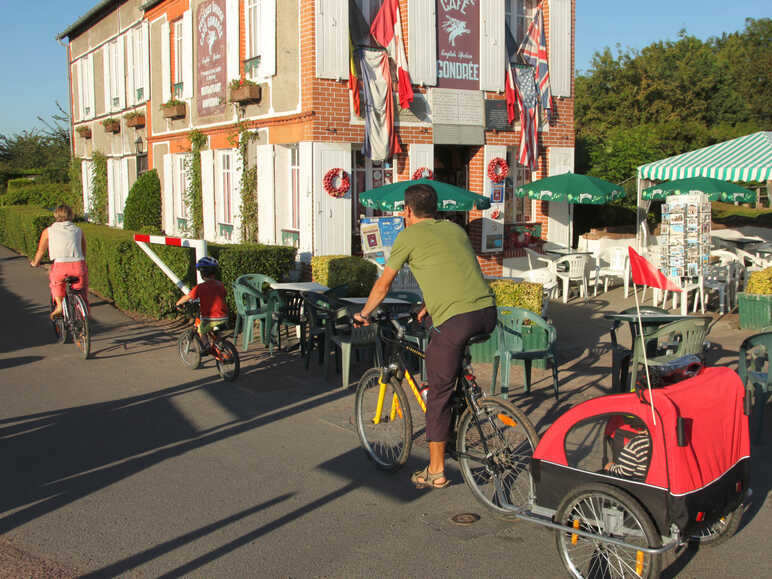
[{"x": 207, "y": 266}]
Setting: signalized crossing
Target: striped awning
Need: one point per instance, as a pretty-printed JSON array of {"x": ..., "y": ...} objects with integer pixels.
[{"x": 743, "y": 159}]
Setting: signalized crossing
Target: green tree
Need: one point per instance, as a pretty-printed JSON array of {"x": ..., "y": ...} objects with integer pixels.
[{"x": 143, "y": 205}]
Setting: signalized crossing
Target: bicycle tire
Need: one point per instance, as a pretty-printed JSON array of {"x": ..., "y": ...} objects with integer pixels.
[
  {"x": 502, "y": 481},
  {"x": 189, "y": 349},
  {"x": 610, "y": 512},
  {"x": 81, "y": 331},
  {"x": 719, "y": 531},
  {"x": 60, "y": 328},
  {"x": 227, "y": 360},
  {"x": 387, "y": 443}
]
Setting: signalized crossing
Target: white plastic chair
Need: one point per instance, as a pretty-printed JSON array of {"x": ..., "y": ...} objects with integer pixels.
[
  {"x": 576, "y": 272},
  {"x": 687, "y": 285},
  {"x": 534, "y": 257},
  {"x": 617, "y": 267}
]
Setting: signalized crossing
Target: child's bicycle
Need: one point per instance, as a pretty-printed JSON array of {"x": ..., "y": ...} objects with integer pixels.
[
  {"x": 191, "y": 347},
  {"x": 74, "y": 319},
  {"x": 494, "y": 441}
]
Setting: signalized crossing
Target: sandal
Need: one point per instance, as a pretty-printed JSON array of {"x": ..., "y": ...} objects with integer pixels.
[{"x": 429, "y": 479}]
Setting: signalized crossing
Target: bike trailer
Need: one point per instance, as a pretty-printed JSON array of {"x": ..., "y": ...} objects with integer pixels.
[{"x": 698, "y": 465}]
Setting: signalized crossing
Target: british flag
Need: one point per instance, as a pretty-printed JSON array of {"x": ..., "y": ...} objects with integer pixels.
[
  {"x": 533, "y": 51},
  {"x": 525, "y": 90}
]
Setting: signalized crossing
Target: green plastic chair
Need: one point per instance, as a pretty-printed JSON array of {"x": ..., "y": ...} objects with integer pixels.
[
  {"x": 339, "y": 291},
  {"x": 288, "y": 312},
  {"x": 316, "y": 308},
  {"x": 341, "y": 332},
  {"x": 517, "y": 328},
  {"x": 754, "y": 370},
  {"x": 680, "y": 338},
  {"x": 620, "y": 356},
  {"x": 253, "y": 304}
]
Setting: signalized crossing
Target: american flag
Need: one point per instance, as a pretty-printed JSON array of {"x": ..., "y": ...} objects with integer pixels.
[
  {"x": 525, "y": 89},
  {"x": 533, "y": 51}
]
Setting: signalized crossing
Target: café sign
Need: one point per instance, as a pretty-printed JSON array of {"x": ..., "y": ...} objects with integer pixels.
[
  {"x": 458, "y": 44},
  {"x": 211, "y": 61}
]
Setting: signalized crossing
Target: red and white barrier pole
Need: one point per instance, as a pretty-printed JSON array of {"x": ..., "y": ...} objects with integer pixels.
[{"x": 198, "y": 244}]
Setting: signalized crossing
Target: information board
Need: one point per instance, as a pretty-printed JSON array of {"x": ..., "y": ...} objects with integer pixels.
[
  {"x": 496, "y": 118},
  {"x": 378, "y": 235}
]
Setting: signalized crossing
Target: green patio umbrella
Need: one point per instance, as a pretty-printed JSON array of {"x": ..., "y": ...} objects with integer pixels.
[
  {"x": 715, "y": 189},
  {"x": 572, "y": 188},
  {"x": 449, "y": 197}
]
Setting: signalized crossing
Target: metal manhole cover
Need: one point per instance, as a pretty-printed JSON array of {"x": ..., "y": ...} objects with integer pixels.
[{"x": 465, "y": 518}]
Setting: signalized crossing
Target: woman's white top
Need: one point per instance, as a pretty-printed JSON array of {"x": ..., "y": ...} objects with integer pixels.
[{"x": 64, "y": 242}]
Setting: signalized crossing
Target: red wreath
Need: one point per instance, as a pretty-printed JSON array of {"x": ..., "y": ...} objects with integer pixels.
[
  {"x": 329, "y": 182},
  {"x": 498, "y": 170},
  {"x": 423, "y": 173}
]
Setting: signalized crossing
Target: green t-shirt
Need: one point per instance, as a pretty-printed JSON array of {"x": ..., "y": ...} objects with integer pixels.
[{"x": 442, "y": 260}]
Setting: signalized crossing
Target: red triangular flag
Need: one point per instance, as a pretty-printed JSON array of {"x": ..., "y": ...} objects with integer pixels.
[{"x": 644, "y": 273}]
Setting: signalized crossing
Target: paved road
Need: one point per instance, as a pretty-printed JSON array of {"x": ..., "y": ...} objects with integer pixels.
[{"x": 129, "y": 464}]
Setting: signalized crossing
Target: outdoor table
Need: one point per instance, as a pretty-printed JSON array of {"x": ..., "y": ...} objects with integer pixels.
[
  {"x": 561, "y": 251},
  {"x": 300, "y": 286},
  {"x": 761, "y": 248},
  {"x": 734, "y": 237}
]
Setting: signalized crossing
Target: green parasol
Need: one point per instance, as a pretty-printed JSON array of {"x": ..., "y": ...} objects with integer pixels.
[
  {"x": 572, "y": 188},
  {"x": 715, "y": 189},
  {"x": 449, "y": 197}
]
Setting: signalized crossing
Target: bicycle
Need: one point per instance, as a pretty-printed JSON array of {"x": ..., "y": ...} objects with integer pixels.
[
  {"x": 494, "y": 441},
  {"x": 74, "y": 318},
  {"x": 191, "y": 348}
]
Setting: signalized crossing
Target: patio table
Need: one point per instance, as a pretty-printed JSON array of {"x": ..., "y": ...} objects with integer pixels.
[
  {"x": 301, "y": 286},
  {"x": 761, "y": 248},
  {"x": 561, "y": 251}
]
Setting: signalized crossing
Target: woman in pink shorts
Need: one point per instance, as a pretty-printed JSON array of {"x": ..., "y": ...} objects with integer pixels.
[{"x": 66, "y": 247}]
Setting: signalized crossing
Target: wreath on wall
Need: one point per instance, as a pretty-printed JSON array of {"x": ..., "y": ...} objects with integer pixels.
[
  {"x": 329, "y": 182},
  {"x": 498, "y": 170},
  {"x": 423, "y": 173}
]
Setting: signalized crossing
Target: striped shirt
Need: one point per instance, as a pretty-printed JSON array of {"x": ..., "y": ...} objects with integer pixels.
[{"x": 633, "y": 460}]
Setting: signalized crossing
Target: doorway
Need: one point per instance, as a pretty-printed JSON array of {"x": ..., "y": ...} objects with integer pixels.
[{"x": 451, "y": 165}]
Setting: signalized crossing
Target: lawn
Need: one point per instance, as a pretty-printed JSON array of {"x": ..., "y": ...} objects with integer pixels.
[{"x": 738, "y": 215}]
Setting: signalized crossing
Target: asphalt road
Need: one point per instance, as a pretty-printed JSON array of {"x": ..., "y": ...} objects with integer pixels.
[{"x": 130, "y": 464}]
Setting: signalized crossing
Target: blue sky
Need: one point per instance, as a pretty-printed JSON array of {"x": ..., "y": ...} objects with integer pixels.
[{"x": 35, "y": 72}]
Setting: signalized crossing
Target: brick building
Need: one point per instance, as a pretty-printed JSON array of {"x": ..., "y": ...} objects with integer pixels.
[{"x": 133, "y": 56}]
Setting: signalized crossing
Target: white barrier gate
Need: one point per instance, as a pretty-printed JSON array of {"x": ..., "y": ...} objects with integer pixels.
[{"x": 198, "y": 244}]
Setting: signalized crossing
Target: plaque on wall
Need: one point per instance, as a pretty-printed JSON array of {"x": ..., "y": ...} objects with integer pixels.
[
  {"x": 496, "y": 116},
  {"x": 419, "y": 111},
  {"x": 457, "y": 107}
]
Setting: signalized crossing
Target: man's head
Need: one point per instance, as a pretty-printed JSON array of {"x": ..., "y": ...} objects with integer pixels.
[
  {"x": 64, "y": 213},
  {"x": 420, "y": 203}
]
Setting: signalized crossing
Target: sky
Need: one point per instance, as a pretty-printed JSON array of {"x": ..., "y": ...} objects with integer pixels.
[{"x": 34, "y": 65}]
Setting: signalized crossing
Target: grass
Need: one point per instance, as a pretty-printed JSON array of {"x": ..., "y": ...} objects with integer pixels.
[{"x": 737, "y": 215}]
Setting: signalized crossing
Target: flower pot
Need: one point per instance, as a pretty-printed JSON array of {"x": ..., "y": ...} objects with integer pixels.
[
  {"x": 755, "y": 310},
  {"x": 173, "y": 111},
  {"x": 250, "y": 93},
  {"x": 136, "y": 121},
  {"x": 85, "y": 132},
  {"x": 112, "y": 127}
]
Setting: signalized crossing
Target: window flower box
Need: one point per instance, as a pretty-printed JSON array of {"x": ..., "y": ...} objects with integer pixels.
[
  {"x": 245, "y": 91},
  {"x": 136, "y": 120},
  {"x": 112, "y": 125},
  {"x": 84, "y": 131},
  {"x": 173, "y": 109}
]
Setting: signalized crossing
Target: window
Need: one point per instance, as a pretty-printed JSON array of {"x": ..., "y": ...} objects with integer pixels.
[
  {"x": 252, "y": 63},
  {"x": 295, "y": 180},
  {"x": 178, "y": 64},
  {"x": 516, "y": 209},
  {"x": 112, "y": 65},
  {"x": 86, "y": 87},
  {"x": 179, "y": 191},
  {"x": 518, "y": 14},
  {"x": 138, "y": 61},
  {"x": 224, "y": 179},
  {"x": 367, "y": 174}
]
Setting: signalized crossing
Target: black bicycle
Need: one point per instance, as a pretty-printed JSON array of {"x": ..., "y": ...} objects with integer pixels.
[
  {"x": 494, "y": 441},
  {"x": 74, "y": 319},
  {"x": 191, "y": 347}
]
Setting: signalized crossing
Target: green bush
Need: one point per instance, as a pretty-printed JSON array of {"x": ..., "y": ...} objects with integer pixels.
[
  {"x": 334, "y": 270},
  {"x": 20, "y": 227},
  {"x": 143, "y": 206},
  {"x": 519, "y": 294},
  {"x": 40, "y": 194},
  {"x": 760, "y": 282}
]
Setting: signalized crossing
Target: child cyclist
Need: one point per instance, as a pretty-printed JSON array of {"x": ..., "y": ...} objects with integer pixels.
[{"x": 211, "y": 297}]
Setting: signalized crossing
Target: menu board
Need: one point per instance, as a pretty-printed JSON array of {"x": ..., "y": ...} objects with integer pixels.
[
  {"x": 378, "y": 235},
  {"x": 686, "y": 232}
]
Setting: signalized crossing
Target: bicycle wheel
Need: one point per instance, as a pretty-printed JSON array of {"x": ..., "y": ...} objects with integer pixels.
[
  {"x": 60, "y": 328},
  {"x": 495, "y": 449},
  {"x": 189, "y": 347},
  {"x": 383, "y": 420},
  {"x": 719, "y": 531},
  {"x": 609, "y": 512},
  {"x": 227, "y": 359},
  {"x": 81, "y": 332}
]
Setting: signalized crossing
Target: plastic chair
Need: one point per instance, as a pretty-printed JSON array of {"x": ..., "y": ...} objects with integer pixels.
[
  {"x": 576, "y": 272},
  {"x": 252, "y": 306},
  {"x": 616, "y": 268},
  {"x": 316, "y": 308},
  {"x": 756, "y": 375},
  {"x": 718, "y": 278},
  {"x": 341, "y": 332},
  {"x": 620, "y": 356},
  {"x": 549, "y": 284},
  {"x": 339, "y": 291},
  {"x": 534, "y": 257},
  {"x": 517, "y": 327},
  {"x": 256, "y": 281},
  {"x": 289, "y": 313},
  {"x": 687, "y": 285}
]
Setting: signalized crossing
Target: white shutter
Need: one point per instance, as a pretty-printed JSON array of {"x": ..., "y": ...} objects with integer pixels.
[
  {"x": 422, "y": 42},
  {"x": 560, "y": 48},
  {"x": 207, "y": 195},
  {"x": 266, "y": 199},
  {"x": 121, "y": 72},
  {"x": 332, "y": 215},
  {"x": 306, "y": 241},
  {"x": 490, "y": 153},
  {"x": 168, "y": 204},
  {"x": 232, "y": 38},
  {"x": 267, "y": 38},
  {"x": 560, "y": 160},
  {"x": 124, "y": 185},
  {"x": 332, "y": 45},
  {"x": 131, "y": 91},
  {"x": 492, "y": 49},
  {"x": 187, "y": 55},
  {"x": 560, "y": 220},
  {"x": 85, "y": 179},
  {"x": 111, "y": 192},
  {"x": 145, "y": 61},
  {"x": 90, "y": 87},
  {"x": 166, "y": 67},
  {"x": 77, "y": 71},
  {"x": 106, "y": 75},
  {"x": 238, "y": 172},
  {"x": 421, "y": 155}
]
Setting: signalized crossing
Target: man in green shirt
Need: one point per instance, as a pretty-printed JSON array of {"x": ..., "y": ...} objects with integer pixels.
[{"x": 457, "y": 299}]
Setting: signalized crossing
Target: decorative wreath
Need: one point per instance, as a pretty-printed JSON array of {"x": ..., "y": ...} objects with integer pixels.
[
  {"x": 423, "y": 173},
  {"x": 498, "y": 170},
  {"x": 329, "y": 182}
]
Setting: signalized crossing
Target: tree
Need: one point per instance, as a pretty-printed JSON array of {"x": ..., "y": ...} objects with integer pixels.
[{"x": 143, "y": 206}]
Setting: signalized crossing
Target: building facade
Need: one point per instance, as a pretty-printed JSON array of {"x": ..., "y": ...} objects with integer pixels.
[{"x": 165, "y": 68}]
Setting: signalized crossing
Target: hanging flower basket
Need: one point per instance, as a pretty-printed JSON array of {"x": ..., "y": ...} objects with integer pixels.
[
  {"x": 84, "y": 131},
  {"x": 112, "y": 125},
  {"x": 498, "y": 170},
  {"x": 423, "y": 173},
  {"x": 173, "y": 110},
  {"x": 343, "y": 185}
]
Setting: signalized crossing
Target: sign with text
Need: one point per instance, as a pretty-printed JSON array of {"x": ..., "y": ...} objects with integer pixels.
[
  {"x": 458, "y": 44},
  {"x": 211, "y": 62},
  {"x": 457, "y": 107},
  {"x": 496, "y": 116},
  {"x": 378, "y": 235}
]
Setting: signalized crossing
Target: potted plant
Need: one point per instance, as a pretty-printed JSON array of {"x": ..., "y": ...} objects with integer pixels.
[
  {"x": 135, "y": 119},
  {"x": 84, "y": 131},
  {"x": 112, "y": 125},
  {"x": 173, "y": 109},
  {"x": 244, "y": 91},
  {"x": 755, "y": 303}
]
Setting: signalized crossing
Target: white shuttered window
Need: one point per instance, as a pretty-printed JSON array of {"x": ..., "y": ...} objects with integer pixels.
[
  {"x": 492, "y": 49},
  {"x": 422, "y": 42},
  {"x": 332, "y": 46},
  {"x": 179, "y": 39},
  {"x": 260, "y": 19},
  {"x": 560, "y": 48}
]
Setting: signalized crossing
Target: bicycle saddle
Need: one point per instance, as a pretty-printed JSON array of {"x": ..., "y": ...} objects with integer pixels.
[
  {"x": 477, "y": 338},
  {"x": 71, "y": 279}
]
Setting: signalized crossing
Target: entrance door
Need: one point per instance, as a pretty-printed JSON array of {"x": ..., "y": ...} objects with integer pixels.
[{"x": 561, "y": 215}]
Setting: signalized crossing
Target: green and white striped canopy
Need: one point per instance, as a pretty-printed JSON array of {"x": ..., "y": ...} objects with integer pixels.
[{"x": 744, "y": 159}]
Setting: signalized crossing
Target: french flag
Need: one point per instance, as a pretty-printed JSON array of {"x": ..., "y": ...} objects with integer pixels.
[{"x": 387, "y": 31}]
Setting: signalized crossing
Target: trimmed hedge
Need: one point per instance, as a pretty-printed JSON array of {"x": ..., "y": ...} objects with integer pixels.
[
  {"x": 20, "y": 227},
  {"x": 40, "y": 194},
  {"x": 143, "y": 206},
  {"x": 519, "y": 294},
  {"x": 334, "y": 270}
]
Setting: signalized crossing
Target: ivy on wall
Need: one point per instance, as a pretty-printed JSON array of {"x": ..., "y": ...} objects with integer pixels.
[
  {"x": 248, "y": 186},
  {"x": 193, "y": 194},
  {"x": 76, "y": 184},
  {"x": 98, "y": 201}
]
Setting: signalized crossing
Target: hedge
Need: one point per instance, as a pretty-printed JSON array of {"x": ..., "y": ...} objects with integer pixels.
[
  {"x": 20, "y": 227},
  {"x": 143, "y": 206},
  {"x": 519, "y": 294},
  {"x": 40, "y": 194},
  {"x": 334, "y": 270}
]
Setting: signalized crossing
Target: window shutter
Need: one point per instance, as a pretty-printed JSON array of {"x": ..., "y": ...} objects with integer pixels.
[
  {"x": 247, "y": 31},
  {"x": 131, "y": 92},
  {"x": 85, "y": 179},
  {"x": 267, "y": 38},
  {"x": 232, "y": 38},
  {"x": 561, "y": 160},
  {"x": 560, "y": 42},
  {"x": 166, "y": 67},
  {"x": 422, "y": 42},
  {"x": 124, "y": 184},
  {"x": 306, "y": 241},
  {"x": 106, "y": 75},
  {"x": 490, "y": 153},
  {"x": 266, "y": 204},
  {"x": 187, "y": 55},
  {"x": 421, "y": 155},
  {"x": 77, "y": 73},
  {"x": 90, "y": 87},
  {"x": 168, "y": 205},
  {"x": 121, "y": 72},
  {"x": 111, "y": 187},
  {"x": 207, "y": 194},
  {"x": 492, "y": 49},
  {"x": 332, "y": 58},
  {"x": 145, "y": 61},
  {"x": 236, "y": 195}
]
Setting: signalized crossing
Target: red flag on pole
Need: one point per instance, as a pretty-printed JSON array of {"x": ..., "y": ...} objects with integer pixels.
[
  {"x": 644, "y": 273},
  {"x": 387, "y": 31}
]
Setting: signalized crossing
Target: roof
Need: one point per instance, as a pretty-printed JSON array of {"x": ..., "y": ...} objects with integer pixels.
[
  {"x": 747, "y": 158},
  {"x": 96, "y": 13}
]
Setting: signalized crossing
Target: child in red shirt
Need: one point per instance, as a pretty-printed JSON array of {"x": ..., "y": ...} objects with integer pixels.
[{"x": 211, "y": 297}]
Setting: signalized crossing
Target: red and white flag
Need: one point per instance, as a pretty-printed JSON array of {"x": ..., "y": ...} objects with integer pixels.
[
  {"x": 525, "y": 91},
  {"x": 387, "y": 31},
  {"x": 533, "y": 50},
  {"x": 644, "y": 273}
]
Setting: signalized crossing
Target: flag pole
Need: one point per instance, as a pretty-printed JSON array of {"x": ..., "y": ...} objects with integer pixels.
[{"x": 643, "y": 349}]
